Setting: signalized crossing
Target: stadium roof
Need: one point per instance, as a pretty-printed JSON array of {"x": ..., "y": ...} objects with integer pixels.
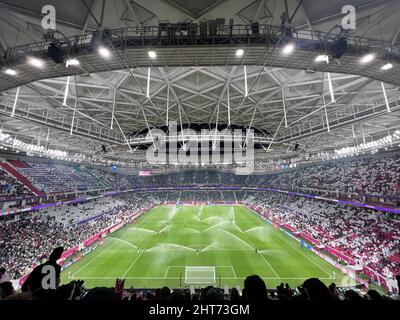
[{"x": 289, "y": 98}]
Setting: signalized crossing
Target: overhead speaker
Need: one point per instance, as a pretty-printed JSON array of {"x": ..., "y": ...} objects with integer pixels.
[
  {"x": 340, "y": 47},
  {"x": 56, "y": 53}
]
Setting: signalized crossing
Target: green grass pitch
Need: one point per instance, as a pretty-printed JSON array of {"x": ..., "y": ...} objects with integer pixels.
[{"x": 154, "y": 251}]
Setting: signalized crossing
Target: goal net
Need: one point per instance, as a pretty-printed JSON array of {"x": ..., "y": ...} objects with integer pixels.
[{"x": 199, "y": 274}]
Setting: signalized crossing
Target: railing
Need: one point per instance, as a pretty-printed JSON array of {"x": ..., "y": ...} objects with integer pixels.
[
  {"x": 348, "y": 114},
  {"x": 61, "y": 121},
  {"x": 194, "y": 34}
]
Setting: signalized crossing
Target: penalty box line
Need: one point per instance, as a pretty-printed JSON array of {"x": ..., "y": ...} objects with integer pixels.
[{"x": 231, "y": 267}]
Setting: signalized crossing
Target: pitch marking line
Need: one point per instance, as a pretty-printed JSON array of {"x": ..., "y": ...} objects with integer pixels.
[
  {"x": 125, "y": 242},
  {"x": 132, "y": 264},
  {"x": 90, "y": 261},
  {"x": 231, "y": 267},
  {"x": 269, "y": 265},
  {"x": 234, "y": 274},
  {"x": 308, "y": 258},
  {"x": 166, "y": 272}
]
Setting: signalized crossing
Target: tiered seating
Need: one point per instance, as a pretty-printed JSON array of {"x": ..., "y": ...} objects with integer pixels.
[
  {"x": 395, "y": 258},
  {"x": 18, "y": 164},
  {"x": 21, "y": 178},
  {"x": 52, "y": 178},
  {"x": 357, "y": 235},
  {"x": 25, "y": 242},
  {"x": 70, "y": 215},
  {"x": 11, "y": 187},
  {"x": 356, "y": 177}
]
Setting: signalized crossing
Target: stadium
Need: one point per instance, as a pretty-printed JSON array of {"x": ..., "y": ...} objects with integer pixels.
[{"x": 190, "y": 150}]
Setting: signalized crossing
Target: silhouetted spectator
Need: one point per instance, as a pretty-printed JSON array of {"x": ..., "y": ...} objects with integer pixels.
[
  {"x": 4, "y": 277},
  {"x": 373, "y": 295},
  {"x": 164, "y": 293},
  {"x": 333, "y": 290},
  {"x": 34, "y": 280},
  {"x": 6, "y": 289},
  {"x": 352, "y": 295},
  {"x": 255, "y": 289},
  {"x": 101, "y": 294},
  {"x": 284, "y": 292},
  {"x": 316, "y": 290},
  {"x": 234, "y": 295},
  {"x": 177, "y": 295},
  {"x": 213, "y": 294}
]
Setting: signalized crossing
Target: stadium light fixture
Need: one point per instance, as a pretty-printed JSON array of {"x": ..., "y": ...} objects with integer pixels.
[
  {"x": 152, "y": 54},
  {"x": 385, "y": 96},
  {"x": 322, "y": 58},
  {"x": 15, "y": 103},
  {"x": 239, "y": 53},
  {"x": 367, "y": 58},
  {"x": 387, "y": 66},
  {"x": 66, "y": 92},
  {"x": 72, "y": 62},
  {"x": 288, "y": 48},
  {"x": 10, "y": 72},
  {"x": 36, "y": 62},
  {"x": 331, "y": 88},
  {"x": 246, "y": 92},
  {"x": 148, "y": 83},
  {"x": 104, "y": 52}
]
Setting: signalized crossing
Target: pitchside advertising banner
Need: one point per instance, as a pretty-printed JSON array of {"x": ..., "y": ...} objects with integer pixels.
[{"x": 144, "y": 173}]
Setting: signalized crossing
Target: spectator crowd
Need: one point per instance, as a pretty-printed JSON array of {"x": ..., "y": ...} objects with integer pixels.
[{"x": 26, "y": 242}]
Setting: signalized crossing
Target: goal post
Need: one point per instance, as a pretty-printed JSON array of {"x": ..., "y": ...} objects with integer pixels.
[{"x": 200, "y": 275}]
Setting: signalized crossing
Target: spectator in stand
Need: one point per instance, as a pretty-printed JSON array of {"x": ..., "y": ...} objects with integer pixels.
[
  {"x": 373, "y": 295},
  {"x": 163, "y": 294},
  {"x": 333, "y": 290},
  {"x": 6, "y": 290},
  {"x": 284, "y": 292},
  {"x": 316, "y": 290},
  {"x": 351, "y": 295},
  {"x": 255, "y": 289},
  {"x": 397, "y": 296},
  {"x": 25, "y": 243},
  {"x": 4, "y": 277},
  {"x": 36, "y": 277}
]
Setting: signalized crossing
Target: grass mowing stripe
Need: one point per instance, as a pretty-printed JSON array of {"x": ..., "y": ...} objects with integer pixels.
[
  {"x": 184, "y": 235},
  {"x": 297, "y": 249},
  {"x": 308, "y": 258},
  {"x": 125, "y": 242}
]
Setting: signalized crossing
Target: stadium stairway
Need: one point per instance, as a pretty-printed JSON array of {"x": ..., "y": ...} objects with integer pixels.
[{"x": 21, "y": 178}]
